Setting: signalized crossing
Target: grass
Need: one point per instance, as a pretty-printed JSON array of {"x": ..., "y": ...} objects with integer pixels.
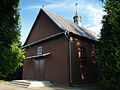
[
  {"x": 2, "y": 81},
  {"x": 90, "y": 86}
]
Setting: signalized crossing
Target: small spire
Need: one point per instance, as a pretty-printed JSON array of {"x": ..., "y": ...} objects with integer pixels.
[
  {"x": 76, "y": 6},
  {"x": 77, "y": 17}
]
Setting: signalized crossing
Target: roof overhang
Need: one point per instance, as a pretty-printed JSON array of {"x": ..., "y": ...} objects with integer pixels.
[
  {"x": 44, "y": 39},
  {"x": 39, "y": 56}
]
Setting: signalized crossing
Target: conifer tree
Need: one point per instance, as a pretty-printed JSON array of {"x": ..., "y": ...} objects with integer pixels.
[
  {"x": 108, "y": 56},
  {"x": 11, "y": 54}
]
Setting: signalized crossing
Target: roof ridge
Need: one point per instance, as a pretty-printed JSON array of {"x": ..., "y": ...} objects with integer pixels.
[
  {"x": 70, "y": 26},
  {"x": 59, "y": 16}
]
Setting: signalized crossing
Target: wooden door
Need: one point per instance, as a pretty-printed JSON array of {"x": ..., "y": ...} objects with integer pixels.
[{"x": 39, "y": 69}]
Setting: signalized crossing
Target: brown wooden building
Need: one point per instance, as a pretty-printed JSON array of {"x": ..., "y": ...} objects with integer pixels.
[{"x": 59, "y": 51}]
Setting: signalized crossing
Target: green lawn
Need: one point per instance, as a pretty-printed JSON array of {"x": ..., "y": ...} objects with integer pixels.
[
  {"x": 1, "y": 80},
  {"x": 90, "y": 86}
]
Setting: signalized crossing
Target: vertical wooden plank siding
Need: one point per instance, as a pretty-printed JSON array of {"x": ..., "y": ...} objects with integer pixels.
[
  {"x": 56, "y": 66},
  {"x": 43, "y": 27},
  {"x": 84, "y": 68}
]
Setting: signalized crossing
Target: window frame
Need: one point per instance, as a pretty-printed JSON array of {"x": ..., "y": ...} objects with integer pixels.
[{"x": 39, "y": 50}]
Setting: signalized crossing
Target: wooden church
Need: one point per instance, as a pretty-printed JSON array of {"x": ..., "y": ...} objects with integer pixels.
[{"x": 59, "y": 51}]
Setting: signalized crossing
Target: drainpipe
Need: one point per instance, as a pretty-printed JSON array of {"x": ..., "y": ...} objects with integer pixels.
[
  {"x": 69, "y": 56},
  {"x": 70, "y": 62}
]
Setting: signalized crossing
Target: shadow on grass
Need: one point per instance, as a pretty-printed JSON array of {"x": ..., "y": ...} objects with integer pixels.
[{"x": 91, "y": 86}]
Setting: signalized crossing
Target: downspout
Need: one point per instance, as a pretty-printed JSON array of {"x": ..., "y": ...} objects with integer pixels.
[
  {"x": 70, "y": 61},
  {"x": 69, "y": 56}
]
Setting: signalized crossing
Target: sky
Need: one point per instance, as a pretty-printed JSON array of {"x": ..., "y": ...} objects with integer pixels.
[{"x": 91, "y": 12}]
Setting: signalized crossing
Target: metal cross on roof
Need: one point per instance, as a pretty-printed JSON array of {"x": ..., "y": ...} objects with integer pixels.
[
  {"x": 43, "y": 6},
  {"x": 76, "y": 6}
]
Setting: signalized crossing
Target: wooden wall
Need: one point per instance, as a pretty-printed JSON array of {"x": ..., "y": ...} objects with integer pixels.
[
  {"x": 43, "y": 27},
  {"x": 56, "y": 66},
  {"x": 84, "y": 67}
]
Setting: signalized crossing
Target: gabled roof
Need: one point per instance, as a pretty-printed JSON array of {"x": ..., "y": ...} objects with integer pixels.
[
  {"x": 69, "y": 26},
  {"x": 66, "y": 25}
]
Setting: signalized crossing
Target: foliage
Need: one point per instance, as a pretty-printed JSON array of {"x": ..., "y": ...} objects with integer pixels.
[
  {"x": 11, "y": 52},
  {"x": 108, "y": 56}
]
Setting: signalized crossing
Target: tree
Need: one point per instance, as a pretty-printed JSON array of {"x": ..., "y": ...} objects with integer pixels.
[
  {"x": 108, "y": 56},
  {"x": 11, "y": 52}
]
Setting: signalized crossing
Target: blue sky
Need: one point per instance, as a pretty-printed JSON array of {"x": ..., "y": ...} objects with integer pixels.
[{"x": 91, "y": 12}]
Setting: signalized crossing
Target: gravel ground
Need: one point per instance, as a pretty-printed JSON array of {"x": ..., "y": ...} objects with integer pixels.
[{"x": 7, "y": 86}]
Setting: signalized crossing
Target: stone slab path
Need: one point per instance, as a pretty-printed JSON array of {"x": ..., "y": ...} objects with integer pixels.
[{"x": 7, "y": 86}]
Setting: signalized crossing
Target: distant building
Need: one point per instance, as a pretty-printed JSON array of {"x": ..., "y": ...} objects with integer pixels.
[{"x": 59, "y": 51}]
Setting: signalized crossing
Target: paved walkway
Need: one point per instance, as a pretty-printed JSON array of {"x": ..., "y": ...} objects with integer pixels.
[{"x": 7, "y": 86}]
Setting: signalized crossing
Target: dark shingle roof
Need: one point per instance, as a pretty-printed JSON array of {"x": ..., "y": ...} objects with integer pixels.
[{"x": 70, "y": 26}]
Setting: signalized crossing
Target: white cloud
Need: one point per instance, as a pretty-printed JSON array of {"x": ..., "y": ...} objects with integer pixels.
[
  {"x": 87, "y": 25},
  {"x": 96, "y": 28},
  {"x": 60, "y": 6},
  {"x": 95, "y": 16},
  {"x": 52, "y": 6}
]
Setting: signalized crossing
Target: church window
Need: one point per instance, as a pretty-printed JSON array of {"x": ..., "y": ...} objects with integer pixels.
[{"x": 39, "y": 50}]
